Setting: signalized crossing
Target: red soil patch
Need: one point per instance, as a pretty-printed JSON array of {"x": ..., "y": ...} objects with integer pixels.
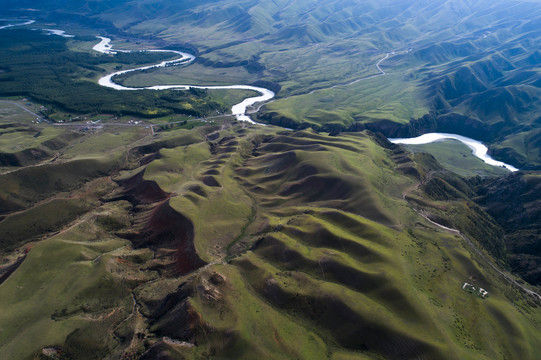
[
  {"x": 139, "y": 190},
  {"x": 167, "y": 228},
  {"x": 162, "y": 226},
  {"x": 121, "y": 260}
]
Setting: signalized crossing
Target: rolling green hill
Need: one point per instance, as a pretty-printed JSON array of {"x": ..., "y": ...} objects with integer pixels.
[
  {"x": 464, "y": 66},
  {"x": 315, "y": 251},
  {"x": 223, "y": 240}
]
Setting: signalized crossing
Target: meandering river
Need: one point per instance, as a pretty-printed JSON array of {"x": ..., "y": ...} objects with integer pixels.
[
  {"x": 477, "y": 147},
  {"x": 238, "y": 110}
]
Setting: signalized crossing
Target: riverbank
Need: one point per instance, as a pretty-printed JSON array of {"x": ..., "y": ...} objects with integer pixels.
[
  {"x": 238, "y": 110},
  {"x": 478, "y": 148}
]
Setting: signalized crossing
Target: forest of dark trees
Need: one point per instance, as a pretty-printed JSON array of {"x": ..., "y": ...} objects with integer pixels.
[{"x": 43, "y": 68}]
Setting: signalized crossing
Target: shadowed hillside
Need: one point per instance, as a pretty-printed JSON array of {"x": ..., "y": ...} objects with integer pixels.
[
  {"x": 167, "y": 237},
  {"x": 244, "y": 240},
  {"x": 464, "y": 67},
  {"x": 514, "y": 202}
]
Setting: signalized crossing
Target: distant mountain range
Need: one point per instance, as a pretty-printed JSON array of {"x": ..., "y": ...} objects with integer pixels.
[{"x": 473, "y": 65}]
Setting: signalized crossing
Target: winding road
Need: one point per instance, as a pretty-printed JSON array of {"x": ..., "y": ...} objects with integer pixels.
[
  {"x": 27, "y": 22},
  {"x": 485, "y": 258}
]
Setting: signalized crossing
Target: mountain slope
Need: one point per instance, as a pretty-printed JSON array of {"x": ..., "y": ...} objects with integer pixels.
[
  {"x": 312, "y": 253},
  {"x": 242, "y": 241},
  {"x": 469, "y": 65}
]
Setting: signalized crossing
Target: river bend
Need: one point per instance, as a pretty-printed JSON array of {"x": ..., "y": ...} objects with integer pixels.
[
  {"x": 478, "y": 148},
  {"x": 238, "y": 110}
]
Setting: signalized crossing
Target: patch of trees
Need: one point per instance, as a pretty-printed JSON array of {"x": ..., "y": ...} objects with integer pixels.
[{"x": 43, "y": 68}]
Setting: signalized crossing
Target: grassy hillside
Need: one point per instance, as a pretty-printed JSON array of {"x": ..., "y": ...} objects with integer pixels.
[
  {"x": 315, "y": 251},
  {"x": 464, "y": 67},
  {"x": 514, "y": 202},
  {"x": 237, "y": 241}
]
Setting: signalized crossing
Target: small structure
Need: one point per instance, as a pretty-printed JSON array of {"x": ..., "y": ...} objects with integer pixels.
[{"x": 482, "y": 293}]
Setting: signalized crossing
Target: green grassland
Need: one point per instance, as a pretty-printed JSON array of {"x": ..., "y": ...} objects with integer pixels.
[
  {"x": 25, "y": 145},
  {"x": 309, "y": 259},
  {"x": 87, "y": 271},
  {"x": 522, "y": 147},
  {"x": 194, "y": 74},
  {"x": 68, "y": 292},
  {"x": 458, "y": 158},
  {"x": 43, "y": 68},
  {"x": 11, "y": 142},
  {"x": 32, "y": 184},
  {"x": 11, "y": 113},
  {"x": 42, "y": 219},
  {"x": 238, "y": 241},
  {"x": 313, "y": 252},
  {"x": 385, "y": 98}
]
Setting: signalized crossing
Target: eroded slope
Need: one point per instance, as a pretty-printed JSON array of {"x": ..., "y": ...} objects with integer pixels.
[{"x": 245, "y": 241}]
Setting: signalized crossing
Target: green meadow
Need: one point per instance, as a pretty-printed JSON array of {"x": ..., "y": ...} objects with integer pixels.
[
  {"x": 202, "y": 237},
  {"x": 313, "y": 252},
  {"x": 458, "y": 158}
]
